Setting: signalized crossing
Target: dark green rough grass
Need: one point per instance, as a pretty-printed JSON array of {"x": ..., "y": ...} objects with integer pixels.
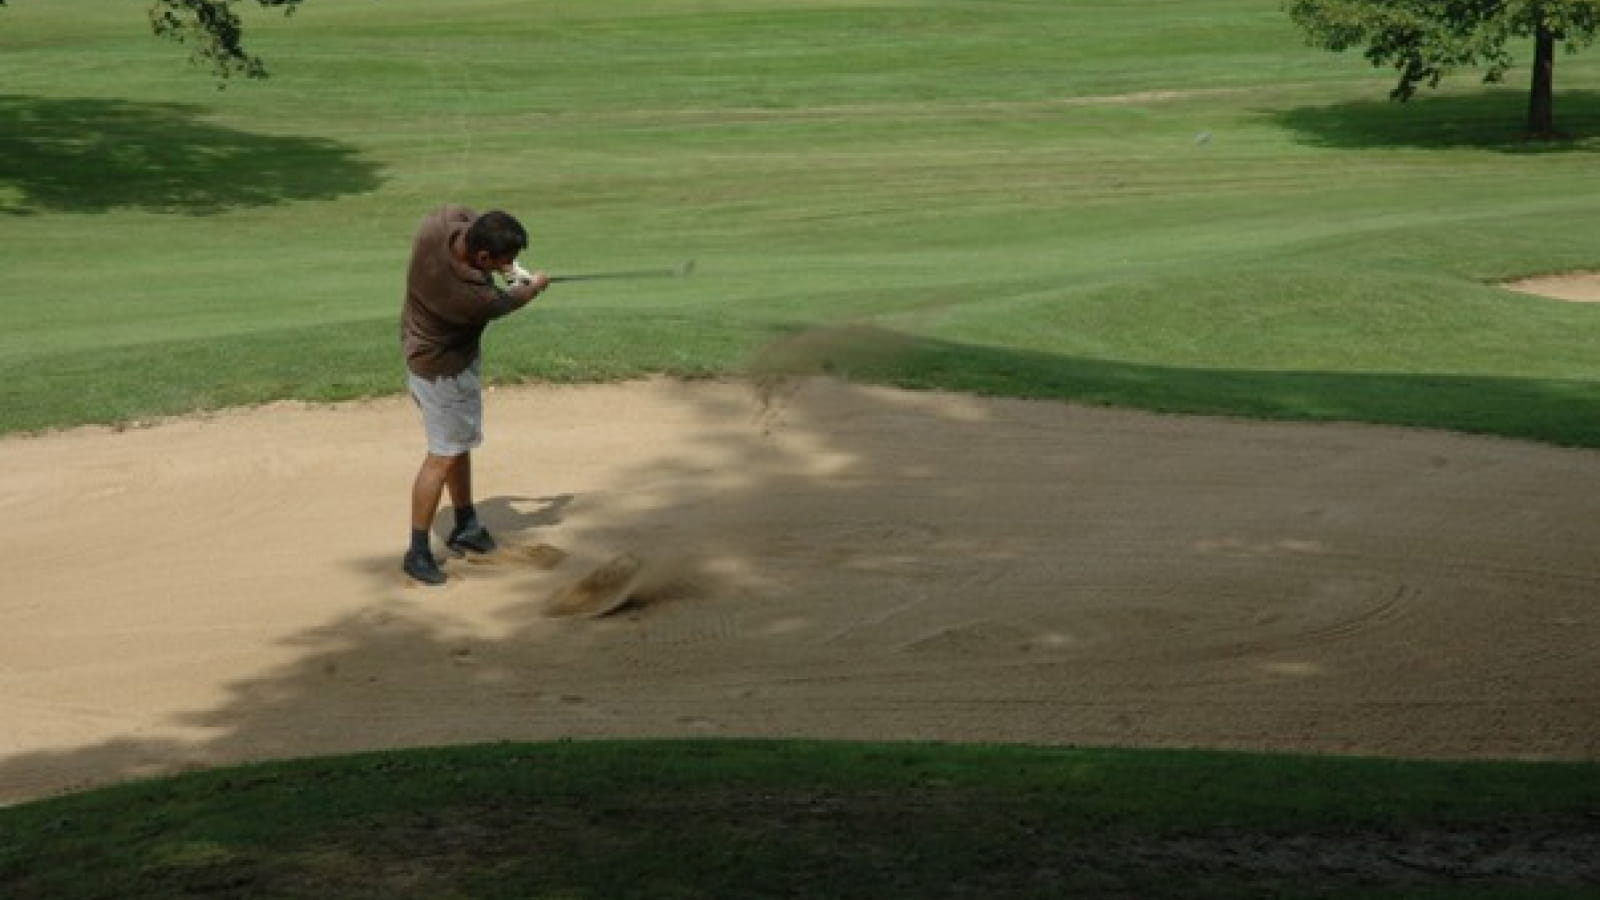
[
  {"x": 1489, "y": 391},
  {"x": 1552, "y": 410},
  {"x": 347, "y": 361},
  {"x": 808, "y": 819}
]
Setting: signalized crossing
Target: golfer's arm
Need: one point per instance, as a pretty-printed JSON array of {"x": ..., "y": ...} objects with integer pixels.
[{"x": 511, "y": 299}]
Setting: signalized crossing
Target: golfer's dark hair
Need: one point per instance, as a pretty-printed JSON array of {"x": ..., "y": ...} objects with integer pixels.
[{"x": 496, "y": 233}]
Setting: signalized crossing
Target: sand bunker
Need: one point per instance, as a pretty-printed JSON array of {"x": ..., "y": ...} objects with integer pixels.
[
  {"x": 1579, "y": 287},
  {"x": 847, "y": 563}
]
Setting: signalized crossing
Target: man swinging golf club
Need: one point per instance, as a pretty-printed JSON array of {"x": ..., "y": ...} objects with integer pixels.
[{"x": 451, "y": 297}]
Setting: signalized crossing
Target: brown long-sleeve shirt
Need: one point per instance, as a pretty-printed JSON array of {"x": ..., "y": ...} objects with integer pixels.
[{"x": 448, "y": 303}]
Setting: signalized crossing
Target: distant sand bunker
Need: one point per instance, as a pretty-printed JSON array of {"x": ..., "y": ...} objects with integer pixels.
[{"x": 1579, "y": 287}]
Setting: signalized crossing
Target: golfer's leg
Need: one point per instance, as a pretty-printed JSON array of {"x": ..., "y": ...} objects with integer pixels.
[
  {"x": 468, "y": 533},
  {"x": 429, "y": 488},
  {"x": 452, "y": 415},
  {"x": 419, "y": 562},
  {"x": 459, "y": 482}
]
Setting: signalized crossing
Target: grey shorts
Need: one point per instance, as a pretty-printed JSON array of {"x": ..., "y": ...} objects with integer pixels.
[{"x": 452, "y": 410}]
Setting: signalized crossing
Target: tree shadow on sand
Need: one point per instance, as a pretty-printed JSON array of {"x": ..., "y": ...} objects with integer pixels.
[
  {"x": 93, "y": 155},
  {"x": 1490, "y": 119}
]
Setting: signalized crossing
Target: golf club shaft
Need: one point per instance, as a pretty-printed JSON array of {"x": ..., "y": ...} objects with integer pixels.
[
  {"x": 682, "y": 270},
  {"x": 596, "y": 276}
]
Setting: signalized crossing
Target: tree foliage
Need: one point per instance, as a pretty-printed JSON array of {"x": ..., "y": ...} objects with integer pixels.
[
  {"x": 212, "y": 30},
  {"x": 1425, "y": 40}
]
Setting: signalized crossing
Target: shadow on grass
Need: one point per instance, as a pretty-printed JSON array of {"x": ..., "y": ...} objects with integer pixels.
[
  {"x": 1491, "y": 119},
  {"x": 353, "y": 360},
  {"x": 1546, "y": 410},
  {"x": 90, "y": 155}
]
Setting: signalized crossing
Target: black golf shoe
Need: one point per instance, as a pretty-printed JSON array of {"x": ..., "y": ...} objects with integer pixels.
[
  {"x": 471, "y": 538},
  {"x": 419, "y": 564}
]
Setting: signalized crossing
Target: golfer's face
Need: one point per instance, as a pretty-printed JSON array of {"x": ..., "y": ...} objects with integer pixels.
[{"x": 493, "y": 263}]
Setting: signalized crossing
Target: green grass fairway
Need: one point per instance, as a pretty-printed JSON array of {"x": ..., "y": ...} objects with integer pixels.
[{"x": 1163, "y": 204}]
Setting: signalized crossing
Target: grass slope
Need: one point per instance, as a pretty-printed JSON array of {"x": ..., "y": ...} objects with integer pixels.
[
  {"x": 801, "y": 819},
  {"x": 1065, "y": 198}
]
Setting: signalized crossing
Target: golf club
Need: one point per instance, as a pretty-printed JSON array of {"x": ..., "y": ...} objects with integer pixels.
[{"x": 679, "y": 272}]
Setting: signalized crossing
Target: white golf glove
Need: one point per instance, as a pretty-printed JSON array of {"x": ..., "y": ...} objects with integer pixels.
[{"x": 515, "y": 274}]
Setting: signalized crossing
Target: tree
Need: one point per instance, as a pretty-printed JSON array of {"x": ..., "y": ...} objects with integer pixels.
[
  {"x": 213, "y": 30},
  {"x": 1427, "y": 39}
]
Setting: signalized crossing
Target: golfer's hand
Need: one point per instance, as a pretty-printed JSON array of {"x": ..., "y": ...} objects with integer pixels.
[
  {"x": 515, "y": 274},
  {"x": 524, "y": 290}
]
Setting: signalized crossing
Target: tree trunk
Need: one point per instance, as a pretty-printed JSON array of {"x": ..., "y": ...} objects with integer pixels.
[{"x": 1541, "y": 99}]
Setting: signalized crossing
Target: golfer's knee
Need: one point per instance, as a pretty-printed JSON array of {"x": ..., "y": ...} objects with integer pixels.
[
  {"x": 442, "y": 463},
  {"x": 438, "y": 467}
]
